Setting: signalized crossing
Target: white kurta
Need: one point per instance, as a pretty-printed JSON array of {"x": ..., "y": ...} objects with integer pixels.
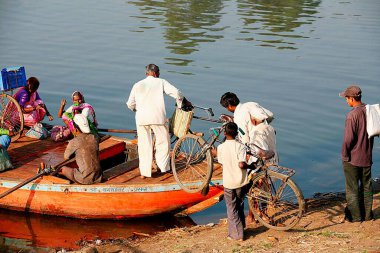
[
  {"x": 264, "y": 136},
  {"x": 147, "y": 99},
  {"x": 242, "y": 117}
]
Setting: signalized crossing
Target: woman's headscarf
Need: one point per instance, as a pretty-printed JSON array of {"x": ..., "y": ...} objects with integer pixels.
[{"x": 79, "y": 94}]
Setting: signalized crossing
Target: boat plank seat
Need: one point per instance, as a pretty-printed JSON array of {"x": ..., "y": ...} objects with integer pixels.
[
  {"x": 27, "y": 153},
  {"x": 120, "y": 169}
]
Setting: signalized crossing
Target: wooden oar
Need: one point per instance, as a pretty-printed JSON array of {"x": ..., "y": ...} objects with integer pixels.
[
  {"x": 46, "y": 171},
  {"x": 124, "y": 131}
]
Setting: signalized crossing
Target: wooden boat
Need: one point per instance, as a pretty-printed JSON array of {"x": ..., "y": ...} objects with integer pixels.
[{"x": 123, "y": 194}]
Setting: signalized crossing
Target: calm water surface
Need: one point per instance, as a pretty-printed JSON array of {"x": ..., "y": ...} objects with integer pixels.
[{"x": 293, "y": 57}]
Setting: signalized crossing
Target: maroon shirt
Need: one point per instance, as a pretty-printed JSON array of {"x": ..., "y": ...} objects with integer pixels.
[{"x": 357, "y": 148}]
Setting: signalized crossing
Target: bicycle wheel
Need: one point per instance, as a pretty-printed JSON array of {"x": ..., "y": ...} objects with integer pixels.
[
  {"x": 192, "y": 164},
  {"x": 276, "y": 201},
  {"x": 11, "y": 116}
]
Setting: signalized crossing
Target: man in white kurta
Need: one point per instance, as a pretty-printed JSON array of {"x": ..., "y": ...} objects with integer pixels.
[
  {"x": 147, "y": 100},
  {"x": 243, "y": 115}
]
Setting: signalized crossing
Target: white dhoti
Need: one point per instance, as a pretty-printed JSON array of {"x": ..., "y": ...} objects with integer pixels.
[{"x": 145, "y": 148}]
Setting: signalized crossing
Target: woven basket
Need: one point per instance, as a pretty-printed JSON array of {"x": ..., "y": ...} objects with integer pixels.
[{"x": 179, "y": 123}]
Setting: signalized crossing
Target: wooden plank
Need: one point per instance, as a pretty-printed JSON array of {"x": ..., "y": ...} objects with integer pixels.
[
  {"x": 27, "y": 154},
  {"x": 120, "y": 169},
  {"x": 202, "y": 205},
  {"x": 54, "y": 180}
]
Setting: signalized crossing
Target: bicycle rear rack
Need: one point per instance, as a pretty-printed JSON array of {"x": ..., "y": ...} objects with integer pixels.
[{"x": 281, "y": 170}]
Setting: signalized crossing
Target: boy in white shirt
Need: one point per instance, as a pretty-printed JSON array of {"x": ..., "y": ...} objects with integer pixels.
[{"x": 232, "y": 155}]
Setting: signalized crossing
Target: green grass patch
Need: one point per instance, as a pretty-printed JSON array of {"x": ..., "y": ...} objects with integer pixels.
[
  {"x": 267, "y": 245},
  {"x": 328, "y": 233}
]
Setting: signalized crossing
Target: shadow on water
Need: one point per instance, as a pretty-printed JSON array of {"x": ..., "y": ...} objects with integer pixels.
[{"x": 20, "y": 232}]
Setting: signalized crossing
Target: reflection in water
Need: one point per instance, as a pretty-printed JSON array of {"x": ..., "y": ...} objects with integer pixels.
[
  {"x": 187, "y": 23},
  {"x": 19, "y": 231},
  {"x": 270, "y": 23},
  {"x": 273, "y": 22}
]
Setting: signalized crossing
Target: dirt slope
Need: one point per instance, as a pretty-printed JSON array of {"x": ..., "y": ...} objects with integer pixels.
[{"x": 321, "y": 230}]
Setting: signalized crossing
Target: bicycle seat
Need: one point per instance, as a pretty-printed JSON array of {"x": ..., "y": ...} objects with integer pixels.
[
  {"x": 266, "y": 154},
  {"x": 226, "y": 118}
]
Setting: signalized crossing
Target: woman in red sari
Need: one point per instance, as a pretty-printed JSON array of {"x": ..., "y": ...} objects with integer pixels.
[{"x": 33, "y": 107}]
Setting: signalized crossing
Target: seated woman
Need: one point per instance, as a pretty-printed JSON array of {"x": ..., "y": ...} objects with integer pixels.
[
  {"x": 79, "y": 107},
  {"x": 32, "y": 106}
]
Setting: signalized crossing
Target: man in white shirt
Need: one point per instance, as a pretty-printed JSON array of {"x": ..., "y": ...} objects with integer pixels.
[
  {"x": 147, "y": 100},
  {"x": 253, "y": 123},
  {"x": 243, "y": 113}
]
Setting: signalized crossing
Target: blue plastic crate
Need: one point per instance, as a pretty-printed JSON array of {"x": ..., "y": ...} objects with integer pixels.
[{"x": 12, "y": 77}]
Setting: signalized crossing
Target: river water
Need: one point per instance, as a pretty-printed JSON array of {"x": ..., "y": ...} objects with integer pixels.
[{"x": 291, "y": 56}]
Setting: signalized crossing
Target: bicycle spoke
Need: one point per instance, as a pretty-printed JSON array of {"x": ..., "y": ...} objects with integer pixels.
[
  {"x": 190, "y": 164},
  {"x": 11, "y": 115},
  {"x": 190, "y": 154}
]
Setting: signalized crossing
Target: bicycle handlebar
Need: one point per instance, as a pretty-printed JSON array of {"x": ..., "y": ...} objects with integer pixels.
[
  {"x": 208, "y": 119},
  {"x": 208, "y": 110}
]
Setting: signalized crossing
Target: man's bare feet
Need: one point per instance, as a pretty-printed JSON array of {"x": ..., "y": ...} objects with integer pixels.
[{"x": 232, "y": 239}]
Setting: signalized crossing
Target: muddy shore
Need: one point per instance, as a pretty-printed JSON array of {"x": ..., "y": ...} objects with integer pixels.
[{"x": 322, "y": 229}]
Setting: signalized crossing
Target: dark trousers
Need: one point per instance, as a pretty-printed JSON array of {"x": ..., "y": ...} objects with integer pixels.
[
  {"x": 359, "y": 194},
  {"x": 234, "y": 199}
]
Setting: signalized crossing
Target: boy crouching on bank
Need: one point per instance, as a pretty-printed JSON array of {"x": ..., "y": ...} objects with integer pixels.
[{"x": 232, "y": 155}]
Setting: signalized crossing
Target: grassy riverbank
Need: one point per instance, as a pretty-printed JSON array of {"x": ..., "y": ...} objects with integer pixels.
[{"x": 321, "y": 230}]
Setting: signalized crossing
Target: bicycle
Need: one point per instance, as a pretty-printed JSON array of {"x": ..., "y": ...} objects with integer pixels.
[
  {"x": 191, "y": 159},
  {"x": 275, "y": 199},
  {"x": 11, "y": 115}
]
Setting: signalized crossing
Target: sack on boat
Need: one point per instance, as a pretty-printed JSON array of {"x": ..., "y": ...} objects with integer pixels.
[
  {"x": 59, "y": 133},
  {"x": 37, "y": 131},
  {"x": 373, "y": 119},
  {"x": 5, "y": 161}
]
